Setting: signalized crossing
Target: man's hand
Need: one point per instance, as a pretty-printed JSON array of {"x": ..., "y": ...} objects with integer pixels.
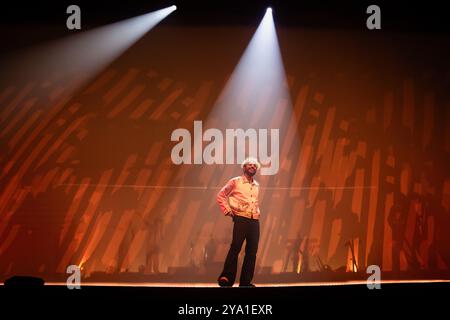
[{"x": 230, "y": 213}]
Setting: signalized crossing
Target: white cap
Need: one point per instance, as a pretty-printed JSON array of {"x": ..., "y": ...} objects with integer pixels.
[{"x": 251, "y": 160}]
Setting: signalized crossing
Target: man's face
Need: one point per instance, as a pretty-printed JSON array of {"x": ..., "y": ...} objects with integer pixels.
[{"x": 250, "y": 169}]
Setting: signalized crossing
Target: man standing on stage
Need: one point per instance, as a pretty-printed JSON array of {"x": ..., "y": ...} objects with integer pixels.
[{"x": 239, "y": 200}]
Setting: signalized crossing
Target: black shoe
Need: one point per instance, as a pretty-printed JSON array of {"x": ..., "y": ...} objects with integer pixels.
[
  {"x": 224, "y": 282},
  {"x": 250, "y": 285}
]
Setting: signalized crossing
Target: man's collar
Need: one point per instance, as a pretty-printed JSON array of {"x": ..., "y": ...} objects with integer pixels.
[{"x": 245, "y": 180}]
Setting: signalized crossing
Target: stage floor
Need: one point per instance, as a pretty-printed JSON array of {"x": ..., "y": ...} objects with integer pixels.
[
  {"x": 262, "y": 285},
  {"x": 284, "y": 301}
]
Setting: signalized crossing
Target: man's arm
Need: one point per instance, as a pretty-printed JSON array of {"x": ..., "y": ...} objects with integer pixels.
[{"x": 222, "y": 197}]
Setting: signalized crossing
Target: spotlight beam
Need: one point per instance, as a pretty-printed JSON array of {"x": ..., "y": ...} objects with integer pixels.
[
  {"x": 85, "y": 53},
  {"x": 256, "y": 96}
]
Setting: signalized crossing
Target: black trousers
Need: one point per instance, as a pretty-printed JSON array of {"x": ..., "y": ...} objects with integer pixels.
[{"x": 244, "y": 229}]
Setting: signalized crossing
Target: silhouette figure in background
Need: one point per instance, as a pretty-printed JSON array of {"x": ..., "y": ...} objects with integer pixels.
[
  {"x": 434, "y": 211},
  {"x": 349, "y": 231},
  {"x": 416, "y": 261},
  {"x": 305, "y": 255},
  {"x": 397, "y": 221},
  {"x": 153, "y": 245},
  {"x": 294, "y": 252}
]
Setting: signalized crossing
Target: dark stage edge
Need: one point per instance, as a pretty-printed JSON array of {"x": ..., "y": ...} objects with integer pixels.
[{"x": 354, "y": 301}]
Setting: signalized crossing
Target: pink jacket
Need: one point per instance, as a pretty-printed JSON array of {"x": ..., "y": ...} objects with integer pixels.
[{"x": 240, "y": 196}]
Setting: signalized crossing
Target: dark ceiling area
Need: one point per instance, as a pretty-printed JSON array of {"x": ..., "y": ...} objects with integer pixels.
[{"x": 396, "y": 15}]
